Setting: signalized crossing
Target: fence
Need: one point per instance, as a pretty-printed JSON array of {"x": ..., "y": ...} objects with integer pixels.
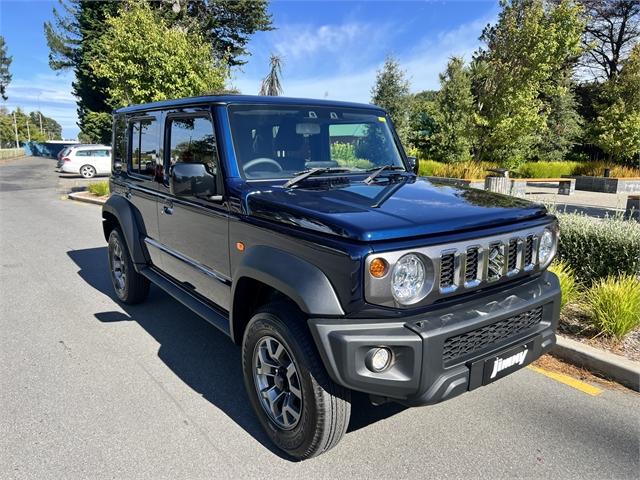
[
  {"x": 11, "y": 153},
  {"x": 46, "y": 149}
]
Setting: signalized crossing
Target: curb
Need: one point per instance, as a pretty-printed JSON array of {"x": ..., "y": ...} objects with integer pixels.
[
  {"x": 82, "y": 197},
  {"x": 612, "y": 366}
]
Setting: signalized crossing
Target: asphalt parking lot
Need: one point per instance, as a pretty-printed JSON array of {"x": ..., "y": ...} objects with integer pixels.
[{"x": 92, "y": 389}]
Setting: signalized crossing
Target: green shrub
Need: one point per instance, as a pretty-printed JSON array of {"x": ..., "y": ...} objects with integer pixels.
[
  {"x": 598, "y": 248},
  {"x": 99, "y": 188},
  {"x": 615, "y": 305},
  {"x": 568, "y": 284},
  {"x": 546, "y": 169},
  {"x": 345, "y": 155}
]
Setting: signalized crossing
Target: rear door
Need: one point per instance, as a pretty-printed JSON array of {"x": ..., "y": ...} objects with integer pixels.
[
  {"x": 144, "y": 175},
  {"x": 194, "y": 231}
]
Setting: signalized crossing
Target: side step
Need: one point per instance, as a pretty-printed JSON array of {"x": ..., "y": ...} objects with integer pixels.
[{"x": 212, "y": 315}]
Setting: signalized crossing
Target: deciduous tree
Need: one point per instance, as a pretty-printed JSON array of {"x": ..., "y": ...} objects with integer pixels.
[
  {"x": 617, "y": 128},
  {"x": 527, "y": 52},
  {"x": 169, "y": 63},
  {"x": 78, "y": 24},
  {"x": 612, "y": 30}
]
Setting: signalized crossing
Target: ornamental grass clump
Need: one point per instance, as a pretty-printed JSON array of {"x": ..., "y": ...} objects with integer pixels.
[
  {"x": 614, "y": 305},
  {"x": 467, "y": 170},
  {"x": 99, "y": 188},
  {"x": 598, "y": 248},
  {"x": 568, "y": 285}
]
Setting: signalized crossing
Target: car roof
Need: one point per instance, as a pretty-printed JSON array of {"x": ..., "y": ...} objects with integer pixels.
[
  {"x": 92, "y": 147},
  {"x": 242, "y": 99}
]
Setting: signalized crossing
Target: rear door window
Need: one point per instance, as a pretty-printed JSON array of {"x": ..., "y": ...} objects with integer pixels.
[{"x": 143, "y": 150}]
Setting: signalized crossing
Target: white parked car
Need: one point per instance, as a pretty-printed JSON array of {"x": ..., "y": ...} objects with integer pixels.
[{"x": 88, "y": 161}]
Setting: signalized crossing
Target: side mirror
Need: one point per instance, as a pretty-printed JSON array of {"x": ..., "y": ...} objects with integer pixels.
[
  {"x": 414, "y": 164},
  {"x": 191, "y": 180},
  {"x": 117, "y": 166}
]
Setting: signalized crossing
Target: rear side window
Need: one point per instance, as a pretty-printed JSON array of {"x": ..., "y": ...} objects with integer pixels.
[
  {"x": 119, "y": 138},
  {"x": 143, "y": 149},
  {"x": 191, "y": 140}
]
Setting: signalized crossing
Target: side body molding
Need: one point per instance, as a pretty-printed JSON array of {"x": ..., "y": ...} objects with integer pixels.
[
  {"x": 301, "y": 281},
  {"x": 125, "y": 214}
]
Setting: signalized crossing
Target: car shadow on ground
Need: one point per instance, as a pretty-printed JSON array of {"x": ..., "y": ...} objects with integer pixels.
[{"x": 199, "y": 354}]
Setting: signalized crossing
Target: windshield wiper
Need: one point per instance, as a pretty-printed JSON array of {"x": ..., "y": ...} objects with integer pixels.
[
  {"x": 314, "y": 171},
  {"x": 379, "y": 170}
]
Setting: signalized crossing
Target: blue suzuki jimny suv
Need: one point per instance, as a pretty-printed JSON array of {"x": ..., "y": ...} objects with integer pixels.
[{"x": 301, "y": 230}]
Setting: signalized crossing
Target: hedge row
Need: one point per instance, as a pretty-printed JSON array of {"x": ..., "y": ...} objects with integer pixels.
[{"x": 599, "y": 248}]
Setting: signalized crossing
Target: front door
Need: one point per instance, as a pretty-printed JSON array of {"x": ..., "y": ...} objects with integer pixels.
[{"x": 194, "y": 230}]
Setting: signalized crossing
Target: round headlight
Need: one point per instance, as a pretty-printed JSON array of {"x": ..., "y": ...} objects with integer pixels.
[
  {"x": 546, "y": 248},
  {"x": 407, "y": 279}
]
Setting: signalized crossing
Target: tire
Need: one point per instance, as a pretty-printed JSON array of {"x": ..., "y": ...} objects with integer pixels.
[
  {"x": 87, "y": 171},
  {"x": 323, "y": 406},
  {"x": 129, "y": 286}
]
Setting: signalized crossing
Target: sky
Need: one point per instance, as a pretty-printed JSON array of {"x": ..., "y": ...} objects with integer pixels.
[{"x": 330, "y": 49}]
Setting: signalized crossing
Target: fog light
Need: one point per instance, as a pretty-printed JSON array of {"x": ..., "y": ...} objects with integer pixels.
[{"x": 378, "y": 359}]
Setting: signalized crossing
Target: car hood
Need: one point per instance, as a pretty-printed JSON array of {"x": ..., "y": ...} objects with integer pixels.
[{"x": 400, "y": 208}]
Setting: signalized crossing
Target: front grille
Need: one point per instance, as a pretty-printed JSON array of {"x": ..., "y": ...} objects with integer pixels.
[
  {"x": 471, "y": 265},
  {"x": 528, "y": 251},
  {"x": 513, "y": 254},
  {"x": 447, "y": 270},
  {"x": 467, "y": 343}
]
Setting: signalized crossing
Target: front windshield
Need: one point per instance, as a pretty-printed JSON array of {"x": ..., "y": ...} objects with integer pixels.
[{"x": 278, "y": 141}]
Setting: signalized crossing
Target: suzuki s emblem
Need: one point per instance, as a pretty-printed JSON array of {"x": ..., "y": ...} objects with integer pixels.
[{"x": 504, "y": 363}]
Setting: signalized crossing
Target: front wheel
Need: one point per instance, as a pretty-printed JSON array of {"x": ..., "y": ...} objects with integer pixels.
[{"x": 302, "y": 410}]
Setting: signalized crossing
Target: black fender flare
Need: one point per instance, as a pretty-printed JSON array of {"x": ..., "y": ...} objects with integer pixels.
[
  {"x": 301, "y": 281},
  {"x": 125, "y": 215}
]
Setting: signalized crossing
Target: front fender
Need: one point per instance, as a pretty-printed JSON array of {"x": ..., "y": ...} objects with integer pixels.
[
  {"x": 298, "y": 279},
  {"x": 125, "y": 214}
]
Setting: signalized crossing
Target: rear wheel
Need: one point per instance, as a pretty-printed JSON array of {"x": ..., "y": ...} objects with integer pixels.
[
  {"x": 129, "y": 285},
  {"x": 302, "y": 410},
  {"x": 87, "y": 171}
]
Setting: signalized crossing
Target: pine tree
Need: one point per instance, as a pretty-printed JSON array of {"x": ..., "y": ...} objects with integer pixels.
[
  {"x": 5, "y": 63},
  {"x": 452, "y": 111},
  {"x": 391, "y": 92}
]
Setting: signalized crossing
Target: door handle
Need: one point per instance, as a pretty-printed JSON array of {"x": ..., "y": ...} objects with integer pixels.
[{"x": 167, "y": 208}]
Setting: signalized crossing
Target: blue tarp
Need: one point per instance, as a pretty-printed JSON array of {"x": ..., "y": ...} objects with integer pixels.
[{"x": 45, "y": 149}]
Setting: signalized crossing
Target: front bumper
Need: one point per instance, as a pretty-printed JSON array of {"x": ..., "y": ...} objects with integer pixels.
[{"x": 438, "y": 355}]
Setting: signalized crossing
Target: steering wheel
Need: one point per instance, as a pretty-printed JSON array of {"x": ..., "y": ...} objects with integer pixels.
[{"x": 260, "y": 161}]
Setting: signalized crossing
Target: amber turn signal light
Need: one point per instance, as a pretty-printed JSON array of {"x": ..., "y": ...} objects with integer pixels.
[
  {"x": 378, "y": 268},
  {"x": 240, "y": 246}
]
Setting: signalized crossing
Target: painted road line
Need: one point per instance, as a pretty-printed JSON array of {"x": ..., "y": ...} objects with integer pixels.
[{"x": 567, "y": 380}]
